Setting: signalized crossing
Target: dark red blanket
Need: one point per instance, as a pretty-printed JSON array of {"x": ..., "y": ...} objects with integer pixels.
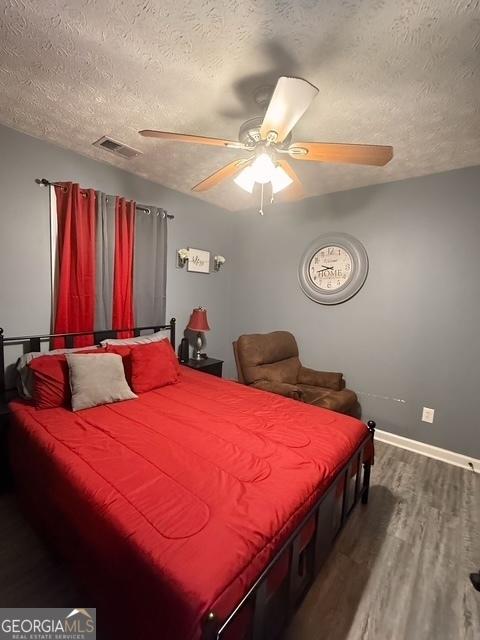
[{"x": 171, "y": 505}]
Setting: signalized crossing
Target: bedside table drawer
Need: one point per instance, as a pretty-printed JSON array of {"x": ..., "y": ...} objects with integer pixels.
[
  {"x": 213, "y": 369},
  {"x": 207, "y": 365}
]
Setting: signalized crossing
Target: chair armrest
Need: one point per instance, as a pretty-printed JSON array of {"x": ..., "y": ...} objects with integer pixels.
[
  {"x": 328, "y": 379},
  {"x": 280, "y": 388}
]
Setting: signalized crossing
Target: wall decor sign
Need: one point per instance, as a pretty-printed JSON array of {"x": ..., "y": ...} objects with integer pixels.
[
  {"x": 198, "y": 260},
  {"x": 333, "y": 268}
]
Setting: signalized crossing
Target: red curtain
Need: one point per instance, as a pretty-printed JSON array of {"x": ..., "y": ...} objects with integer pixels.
[
  {"x": 122, "y": 316},
  {"x": 75, "y": 309}
]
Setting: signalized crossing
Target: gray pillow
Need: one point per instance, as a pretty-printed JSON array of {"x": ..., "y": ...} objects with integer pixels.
[
  {"x": 146, "y": 339},
  {"x": 97, "y": 379}
]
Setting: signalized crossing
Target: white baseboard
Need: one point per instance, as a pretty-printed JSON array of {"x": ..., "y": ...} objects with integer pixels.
[{"x": 428, "y": 450}]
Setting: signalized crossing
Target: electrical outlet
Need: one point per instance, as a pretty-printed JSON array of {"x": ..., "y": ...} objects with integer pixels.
[{"x": 427, "y": 414}]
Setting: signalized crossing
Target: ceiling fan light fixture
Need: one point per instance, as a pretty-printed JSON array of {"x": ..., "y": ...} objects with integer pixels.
[
  {"x": 246, "y": 179},
  {"x": 263, "y": 168},
  {"x": 280, "y": 179}
]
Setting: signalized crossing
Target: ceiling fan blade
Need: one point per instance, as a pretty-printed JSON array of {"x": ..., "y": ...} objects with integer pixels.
[
  {"x": 290, "y": 99},
  {"x": 295, "y": 190},
  {"x": 185, "y": 137},
  {"x": 372, "y": 154},
  {"x": 228, "y": 171}
]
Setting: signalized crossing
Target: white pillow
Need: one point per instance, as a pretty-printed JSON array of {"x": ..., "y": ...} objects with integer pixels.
[
  {"x": 97, "y": 379},
  {"x": 151, "y": 337}
]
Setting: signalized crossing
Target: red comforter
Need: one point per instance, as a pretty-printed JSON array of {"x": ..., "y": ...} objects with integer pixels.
[{"x": 171, "y": 505}]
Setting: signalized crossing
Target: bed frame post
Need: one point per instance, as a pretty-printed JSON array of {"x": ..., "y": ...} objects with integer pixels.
[
  {"x": 366, "y": 482},
  {"x": 371, "y": 424},
  {"x": 2, "y": 365},
  {"x": 210, "y": 627},
  {"x": 173, "y": 323}
]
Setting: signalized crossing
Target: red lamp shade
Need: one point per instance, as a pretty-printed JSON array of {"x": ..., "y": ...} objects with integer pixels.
[{"x": 198, "y": 320}]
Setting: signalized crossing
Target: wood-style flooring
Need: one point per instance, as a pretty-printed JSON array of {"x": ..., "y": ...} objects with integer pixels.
[
  {"x": 398, "y": 571},
  {"x": 400, "y": 568}
]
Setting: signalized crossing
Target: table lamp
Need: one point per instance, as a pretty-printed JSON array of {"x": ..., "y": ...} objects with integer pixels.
[{"x": 198, "y": 322}]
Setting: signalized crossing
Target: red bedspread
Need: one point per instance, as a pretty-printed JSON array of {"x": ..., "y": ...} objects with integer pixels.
[{"x": 175, "y": 502}]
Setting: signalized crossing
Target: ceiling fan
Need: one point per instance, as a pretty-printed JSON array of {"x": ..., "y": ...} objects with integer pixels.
[{"x": 268, "y": 140}]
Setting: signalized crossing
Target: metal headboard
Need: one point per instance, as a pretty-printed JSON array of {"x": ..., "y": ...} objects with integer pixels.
[{"x": 33, "y": 343}]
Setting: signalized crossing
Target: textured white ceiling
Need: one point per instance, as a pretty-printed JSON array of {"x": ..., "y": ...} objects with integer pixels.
[{"x": 400, "y": 72}]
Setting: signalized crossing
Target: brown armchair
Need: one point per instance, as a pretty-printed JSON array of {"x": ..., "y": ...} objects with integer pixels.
[{"x": 270, "y": 362}]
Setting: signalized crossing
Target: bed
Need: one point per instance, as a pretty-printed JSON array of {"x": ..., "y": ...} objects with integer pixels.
[{"x": 200, "y": 510}]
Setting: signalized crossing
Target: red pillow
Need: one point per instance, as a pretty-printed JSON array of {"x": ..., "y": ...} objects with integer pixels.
[
  {"x": 124, "y": 351},
  {"x": 51, "y": 384},
  {"x": 51, "y": 387},
  {"x": 154, "y": 365}
]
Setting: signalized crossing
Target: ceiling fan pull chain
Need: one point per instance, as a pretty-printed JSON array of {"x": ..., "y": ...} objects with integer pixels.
[{"x": 260, "y": 211}]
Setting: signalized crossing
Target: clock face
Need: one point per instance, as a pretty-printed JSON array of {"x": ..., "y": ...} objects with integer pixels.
[
  {"x": 330, "y": 268},
  {"x": 333, "y": 268}
]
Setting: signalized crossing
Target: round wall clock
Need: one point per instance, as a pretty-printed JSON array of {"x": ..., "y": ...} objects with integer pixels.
[{"x": 333, "y": 268}]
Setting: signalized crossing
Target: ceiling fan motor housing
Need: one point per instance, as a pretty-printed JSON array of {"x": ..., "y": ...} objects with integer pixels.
[{"x": 249, "y": 133}]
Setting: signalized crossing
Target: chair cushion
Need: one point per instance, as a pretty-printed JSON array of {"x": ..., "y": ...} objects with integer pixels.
[
  {"x": 344, "y": 401},
  {"x": 270, "y": 356}
]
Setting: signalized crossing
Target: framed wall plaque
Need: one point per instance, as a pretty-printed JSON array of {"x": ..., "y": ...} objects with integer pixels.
[{"x": 198, "y": 261}]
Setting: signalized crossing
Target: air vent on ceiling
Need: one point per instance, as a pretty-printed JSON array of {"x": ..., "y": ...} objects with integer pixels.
[{"x": 116, "y": 147}]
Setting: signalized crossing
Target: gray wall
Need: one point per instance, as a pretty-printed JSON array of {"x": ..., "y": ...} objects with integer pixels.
[
  {"x": 410, "y": 337},
  {"x": 24, "y": 236}
]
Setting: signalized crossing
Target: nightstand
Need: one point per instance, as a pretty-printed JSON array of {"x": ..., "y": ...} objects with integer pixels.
[
  {"x": 4, "y": 466},
  {"x": 207, "y": 365}
]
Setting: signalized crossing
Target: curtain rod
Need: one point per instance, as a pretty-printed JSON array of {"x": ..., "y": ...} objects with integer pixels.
[{"x": 48, "y": 183}]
